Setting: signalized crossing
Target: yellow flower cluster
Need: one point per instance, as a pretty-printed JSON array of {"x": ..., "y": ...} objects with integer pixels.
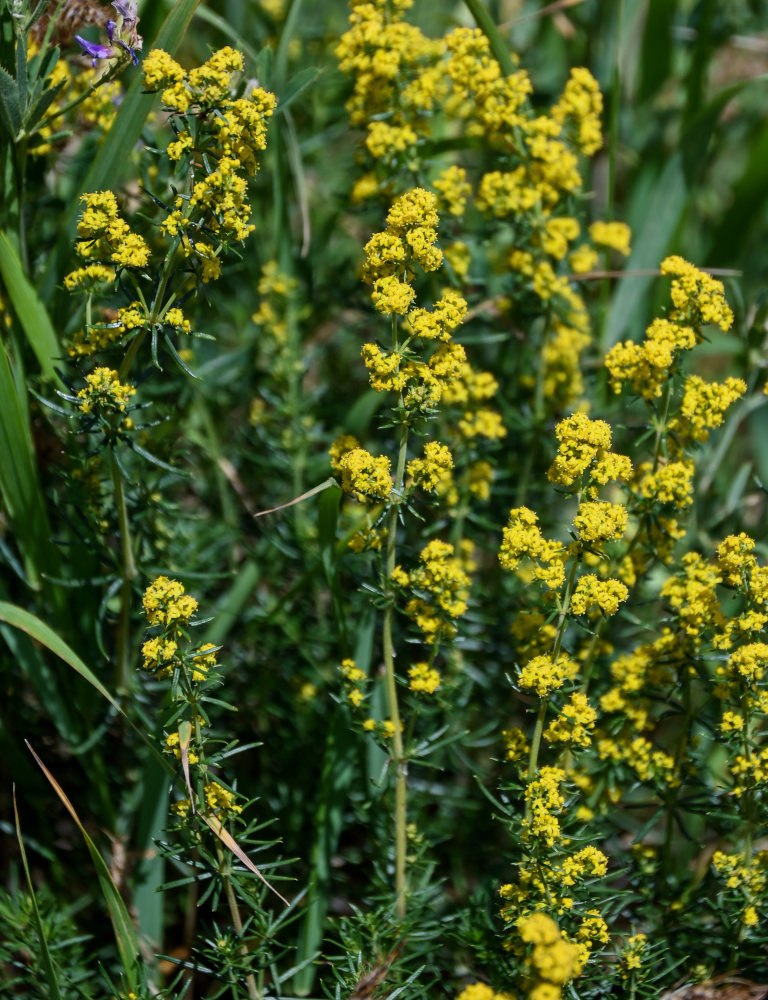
[
  {"x": 648, "y": 366},
  {"x": 584, "y": 454},
  {"x": 429, "y": 470},
  {"x": 671, "y": 482},
  {"x": 480, "y": 991},
  {"x": 599, "y": 521},
  {"x": 516, "y": 746},
  {"x": 85, "y": 279},
  {"x": 104, "y": 236},
  {"x": 640, "y": 754},
  {"x": 104, "y": 393},
  {"x": 698, "y": 299},
  {"x": 220, "y": 800},
  {"x": 703, "y": 408},
  {"x": 544, "y": 802},
  {"x": 229, "y": 134},
  {"x": 354, "y": 682},
  {"x": 615, "y": 235},
  {"x": 470, "y": 390},
  {"x": 749, "y": 770},
  {"x": 591, "y": 592},
  {"x": 443, "y": 582},
  {"x": 574, "y": 724},
  {"x": 423, "y": 679},
  {"x": 552, "y": 961},
  {"x": 631, "y": 961},
  {"x": 749, "y": 882},
  {"x": 582, "y": 103},
  {"x": 693, "y": 595},
  {"x": 697, "y": 296},
  {"x": 165, "y": 603},
  {"x": 543, "y": 675},
  {"x": 522, "y": 540},
  {"x": 363, "y": 475}
]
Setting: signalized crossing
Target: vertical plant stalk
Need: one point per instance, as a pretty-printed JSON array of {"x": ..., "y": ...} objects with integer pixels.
[
  {"x": 253, "y": 991},
  {"x": 401, "y": 765},
  {"x": 533, "y": 758},
  {"x": 130, "y": 573}
]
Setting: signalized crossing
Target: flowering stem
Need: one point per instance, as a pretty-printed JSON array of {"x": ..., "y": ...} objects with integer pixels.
[
  {"x": 564, "y": 607},
  {"x": 536, "y": 742},
  {"x": 401, "y": 765},
  {"x": 237, "y": 923},
  {"x": 129, "y": 575},
  {"x": 542, "y": 713},
  {"x": 661, "y": 425}
]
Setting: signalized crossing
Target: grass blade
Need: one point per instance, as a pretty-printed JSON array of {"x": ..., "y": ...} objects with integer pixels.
[
  {"x": 45, "y": 635},
  {"x": 30, "y": 311},
  {"x": 45, "y": 955},
  {"x": 19, "y": 484},
  {"x": 125, "y": 934}
]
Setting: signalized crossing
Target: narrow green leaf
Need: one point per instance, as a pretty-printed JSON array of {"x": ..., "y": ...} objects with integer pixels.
[
  {"x": 45, "y": 635},
  {"x": 19, "y": 485},
  {"x": 656, "y": 52},
  {"x": 45, "y": 955},
  {"x": 114, "y": 153},
  {"x": 487, "y": 25},
  {"x": 122, "y": 925},
  {"x": 296, "y": 85},
  {"x": 230, "y": 607},
  {"x": 29, "y": 310}
]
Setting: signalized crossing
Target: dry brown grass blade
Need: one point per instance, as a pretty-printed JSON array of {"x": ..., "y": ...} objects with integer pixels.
[
  {"x": 185, "y": 736},
  {"x": 232, "y": 845}
]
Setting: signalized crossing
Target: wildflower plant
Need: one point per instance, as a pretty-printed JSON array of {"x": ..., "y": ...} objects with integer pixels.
[{"x": 495, "y": 681}]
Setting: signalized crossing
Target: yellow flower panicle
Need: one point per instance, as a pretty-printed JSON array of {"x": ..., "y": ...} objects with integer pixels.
[
  {"x": 166, "y": 603},
  {"x": 104, "y": 236},
  {"x": 365, "y": 476},
  {"x": 523, "y": 542},
  {"x": 423, "y": 679},
  {"x": 584, "y": 452},
  {"x": 104, "y": 393},
  {"x": 427, "y": 472},
  {"x": 697, "y": 296}
]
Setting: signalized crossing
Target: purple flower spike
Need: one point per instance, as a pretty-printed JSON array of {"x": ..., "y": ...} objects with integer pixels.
[{"x": 94, "y": 50}]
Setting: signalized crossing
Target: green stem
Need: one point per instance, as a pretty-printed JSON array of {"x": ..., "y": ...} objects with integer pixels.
[
  {"x": 661, "y": 424},
  {"x": 237, "y": 923},
  {"x": 129, "y": 575},
  {"x": 401, "y": 765},
  {"x": 498, "y": 45},
  {"x": 533, "y": 759}
]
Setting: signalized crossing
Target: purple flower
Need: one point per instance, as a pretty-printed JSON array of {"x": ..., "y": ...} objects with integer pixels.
[{"x": 94, "y": 50}]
